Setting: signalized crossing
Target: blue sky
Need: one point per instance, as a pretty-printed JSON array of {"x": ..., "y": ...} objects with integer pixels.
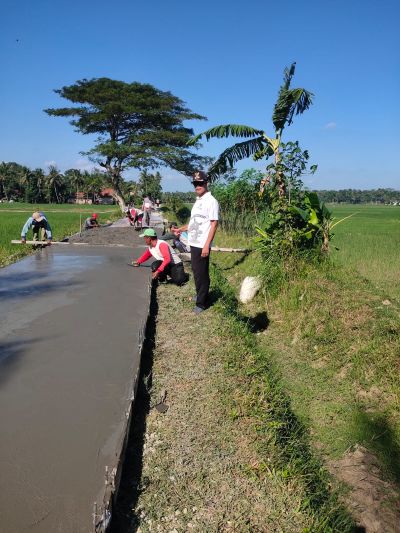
[{"x": 225, "y": 59}]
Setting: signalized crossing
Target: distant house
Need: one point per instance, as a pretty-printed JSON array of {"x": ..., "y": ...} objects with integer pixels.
[
  {"x": 106, "y": 196},
  {"x": 80, "y": 198}
]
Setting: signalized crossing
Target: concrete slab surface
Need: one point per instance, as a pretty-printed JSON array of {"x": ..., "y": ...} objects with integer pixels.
[{"x": 71, "y": 321}]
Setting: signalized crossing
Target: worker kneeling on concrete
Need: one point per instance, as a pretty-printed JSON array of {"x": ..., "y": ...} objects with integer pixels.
[
  {"x": 167, "y": 261},
  {"x": 92, "y": 222},
  {"x": 39, "y": 223}
]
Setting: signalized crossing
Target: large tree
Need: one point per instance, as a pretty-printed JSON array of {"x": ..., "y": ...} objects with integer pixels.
[
  {"x": 137, "y": 126},
  {"x": 259, "y": 145}
]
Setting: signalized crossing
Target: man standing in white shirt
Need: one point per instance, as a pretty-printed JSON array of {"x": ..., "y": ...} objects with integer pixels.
[{"x": 201, "y": 230}]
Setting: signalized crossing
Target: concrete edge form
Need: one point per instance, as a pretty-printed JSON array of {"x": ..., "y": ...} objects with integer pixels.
[{"x": 102, "y": 515}]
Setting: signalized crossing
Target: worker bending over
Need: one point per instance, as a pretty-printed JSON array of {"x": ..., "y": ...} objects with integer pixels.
[
  {"x": 167, "y": 261},
  {"x": 135, "y": 216},
  {"x": 39, "y": 223}
]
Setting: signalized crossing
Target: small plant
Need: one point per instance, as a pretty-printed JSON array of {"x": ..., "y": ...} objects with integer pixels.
[{"x": 319, "y": 221}]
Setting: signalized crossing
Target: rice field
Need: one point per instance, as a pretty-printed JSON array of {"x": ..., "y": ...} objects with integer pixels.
[
  {"x": 369, "y": 243},
  {"x": 64, "y": 219}
]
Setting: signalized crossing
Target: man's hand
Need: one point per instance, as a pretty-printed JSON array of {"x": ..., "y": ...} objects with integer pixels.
[
  {"x": 135, "y": 264},
  {"x": 49, "y": 242},
  {"x": 205, "y": 251},
  {"x": 23, "y": 241},
  {"x": 155, "y": 274}
]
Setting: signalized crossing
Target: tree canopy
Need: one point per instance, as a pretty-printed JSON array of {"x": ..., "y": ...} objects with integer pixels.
[{"x": 137, "y": 126}]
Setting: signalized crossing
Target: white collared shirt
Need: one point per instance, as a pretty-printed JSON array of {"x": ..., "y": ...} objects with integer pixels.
[{"x": 204, "y": 210}]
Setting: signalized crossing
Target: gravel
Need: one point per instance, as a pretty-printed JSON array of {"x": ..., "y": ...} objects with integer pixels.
[{"x": 127, "y": 236}]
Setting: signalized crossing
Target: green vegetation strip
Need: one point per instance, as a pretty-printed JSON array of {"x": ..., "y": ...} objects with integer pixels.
[
  {"x": 229, "y": 454},
  {"x": 279, "y": 429}
]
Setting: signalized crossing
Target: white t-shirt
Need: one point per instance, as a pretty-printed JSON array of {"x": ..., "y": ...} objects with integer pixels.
[
  {"x": 205, "y": 209},
  {"x": 167, "y": 249}
]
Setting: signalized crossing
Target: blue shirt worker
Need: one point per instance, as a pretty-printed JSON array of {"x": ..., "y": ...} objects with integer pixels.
[{"x": 39, "y": 223}]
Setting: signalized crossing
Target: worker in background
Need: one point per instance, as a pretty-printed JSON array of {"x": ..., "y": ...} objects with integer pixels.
[
  {"x": 135, "y": 216},
  {"x": 167, "y": 262},
  {"x": 39, "y": 223},
  {"x": 179, "y": 239},
  {"x": 147, "y": 208},
  {"x": 92, "y": 222}
]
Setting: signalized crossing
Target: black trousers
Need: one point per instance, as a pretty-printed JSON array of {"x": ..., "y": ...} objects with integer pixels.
[
  {"x": 200, "y": 268},
  {"x": 175, "y": 271}
]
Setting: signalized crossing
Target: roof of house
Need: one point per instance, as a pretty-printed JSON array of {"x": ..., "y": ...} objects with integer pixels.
[{"x": 107, "y": 192}]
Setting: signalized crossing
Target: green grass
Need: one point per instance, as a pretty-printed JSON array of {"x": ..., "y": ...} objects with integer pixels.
[
  {"x": 64, "y": 220},
  {"x": 281, "y": 432},
  {"x": 336, "y": 344},
  {"x": 369, "y": 242},
  {"x": 333, "y": 334}
]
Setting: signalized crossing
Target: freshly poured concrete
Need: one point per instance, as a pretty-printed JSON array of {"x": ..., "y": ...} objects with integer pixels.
[{"x": 70, "y": 326}]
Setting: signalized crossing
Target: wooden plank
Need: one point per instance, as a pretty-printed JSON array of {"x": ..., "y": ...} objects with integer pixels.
[
  {"x": 45, "y": 243},
  {"x": 213, "y": 248},
  {"x": 38, "y": 242}
]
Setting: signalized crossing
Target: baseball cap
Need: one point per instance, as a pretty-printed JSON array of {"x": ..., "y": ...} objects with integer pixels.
[
  {"x": 37, "y": 216},
  {"x": 149, "y": 232},
  {"x": 94, "y": 215},
  {"x": 200, "y": 175}
]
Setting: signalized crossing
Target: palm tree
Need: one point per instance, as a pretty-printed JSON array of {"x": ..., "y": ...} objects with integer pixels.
[
  {"x": 23, "y": 182},
  {"x": 94, "y": 183},
  {"x": 259, "y": 145},
  {"x": 131, "y": 190},
  {"x": 39, "y": 181},
  {"x": 4, "y": 180},
  {"x": 75, "y": 178},
  {"x": 54, "y": 181}
]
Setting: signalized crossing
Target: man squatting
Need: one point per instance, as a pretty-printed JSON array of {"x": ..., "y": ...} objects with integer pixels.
[{"x": 167, "y": 261}]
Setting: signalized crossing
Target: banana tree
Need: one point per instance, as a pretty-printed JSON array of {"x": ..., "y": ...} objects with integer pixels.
[{"x": 259, "y": 145}]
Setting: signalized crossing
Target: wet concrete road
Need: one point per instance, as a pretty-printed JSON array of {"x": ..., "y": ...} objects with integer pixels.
[{"x": 70, "y": 321}]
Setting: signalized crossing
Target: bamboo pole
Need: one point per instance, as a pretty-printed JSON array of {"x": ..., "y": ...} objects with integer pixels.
[{"x": 230, "y": 250}]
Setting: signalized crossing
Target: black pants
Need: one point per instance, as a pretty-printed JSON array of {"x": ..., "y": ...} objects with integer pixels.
[
  {"x": 200, "y": 267},
  {"x": 146, "y": 218},
  {"x": 175, "y": 271},
  {"x": 39, "y": 229}
]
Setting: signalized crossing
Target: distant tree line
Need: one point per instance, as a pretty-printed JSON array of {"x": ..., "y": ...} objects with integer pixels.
[
  {"x": 356, "y": 196},
  {"x": 20, "y": 183},
  {"x": 184, "y": 197},
  {"x": 23, "y": 184}
]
